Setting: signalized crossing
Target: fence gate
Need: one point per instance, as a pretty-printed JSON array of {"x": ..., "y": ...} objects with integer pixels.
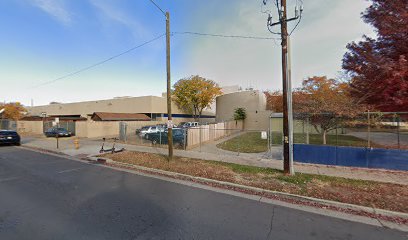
[
  {"x": 7, "y": 124},
  {"x": 68, "y": 125},
  {"x": 122, "y": 131}
]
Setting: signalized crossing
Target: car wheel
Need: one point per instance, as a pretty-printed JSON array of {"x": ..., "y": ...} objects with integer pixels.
[{"x": 18, "y": 144}]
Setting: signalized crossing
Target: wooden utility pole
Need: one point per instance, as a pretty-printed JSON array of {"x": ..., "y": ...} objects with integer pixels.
[
  {"x": 286, "y": 79},
  {"x": 287, "y": 122},
  {"x": 169, "y": 117}
]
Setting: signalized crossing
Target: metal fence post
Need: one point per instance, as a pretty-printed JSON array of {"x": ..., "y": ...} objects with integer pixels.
[
  {"x": 337, "y": 135},
  {"x": 185, "y": 138},
  {"x": 199, "y": 134},
  {"x": 368, "y": 130},
  {"x": 269, "y": 140},
  {"x": 398, "y": 131},
  {"x": 307, "y": 130}
]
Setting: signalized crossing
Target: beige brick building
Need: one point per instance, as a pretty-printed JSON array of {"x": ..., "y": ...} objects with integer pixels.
[
  {"x": 254, "y": 103},
  {"x": 153, "y": 106}
]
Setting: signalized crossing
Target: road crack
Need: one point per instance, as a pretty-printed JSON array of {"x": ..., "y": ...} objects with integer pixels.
[{"x": 271, "y": 225}]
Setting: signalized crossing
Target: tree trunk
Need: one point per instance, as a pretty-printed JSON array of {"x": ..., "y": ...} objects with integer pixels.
[
  {"x": 324, "y": 136},
  {"x": 199, "y": 114},
  {"x": 195, "y": 114}
]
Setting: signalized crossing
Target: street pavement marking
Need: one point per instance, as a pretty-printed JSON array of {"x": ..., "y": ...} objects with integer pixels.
[
  {"x": 9, "y": 179},
  {"x": 70, "y": 170}
]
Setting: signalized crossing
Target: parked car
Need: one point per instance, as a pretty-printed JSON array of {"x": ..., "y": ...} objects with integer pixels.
[
  {"x": 60, "y": 132},
  {"x": 189, "y": 124},
  {"x": 161, "y": 137},
  {"x": 9, "y": 137},
  {"x": 149, "y": 129}
]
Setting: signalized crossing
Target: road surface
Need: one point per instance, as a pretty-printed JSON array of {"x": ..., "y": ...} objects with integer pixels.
[{"x": 48, "y": 197}]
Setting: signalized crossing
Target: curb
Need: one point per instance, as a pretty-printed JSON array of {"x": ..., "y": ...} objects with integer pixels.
[
  {"x": 391, "y": 217},
  {"x": 379, "y": 214},
  {"x": 44, "y": 150}
]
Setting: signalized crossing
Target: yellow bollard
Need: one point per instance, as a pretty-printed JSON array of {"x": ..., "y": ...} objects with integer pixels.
[{"x": 76, "y": 143}]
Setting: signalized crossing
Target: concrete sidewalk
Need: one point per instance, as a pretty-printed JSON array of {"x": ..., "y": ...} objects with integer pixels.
[{"x": 90, "y": 147}]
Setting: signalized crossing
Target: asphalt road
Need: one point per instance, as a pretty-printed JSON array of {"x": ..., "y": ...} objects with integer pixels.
[{"x": 48, "y": 197}]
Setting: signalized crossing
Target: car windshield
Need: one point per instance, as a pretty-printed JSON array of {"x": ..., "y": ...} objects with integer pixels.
[
  {"x": 8, "y": 133},
  {"x": 144, "y": 128}
]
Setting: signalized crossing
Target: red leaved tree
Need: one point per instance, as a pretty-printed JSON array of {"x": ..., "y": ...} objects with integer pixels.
[{"x": 379, "y": 67}]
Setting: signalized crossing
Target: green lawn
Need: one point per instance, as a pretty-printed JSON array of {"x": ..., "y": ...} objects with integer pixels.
[
  {"x": 251, "y": 142},
  {"x": 387, "y": 196},
  {"x": 332, "y": 140}
]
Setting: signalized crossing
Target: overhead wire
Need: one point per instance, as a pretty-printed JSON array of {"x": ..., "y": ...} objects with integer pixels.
[
  {"x": 297, "y": 24},
  {"x": 226, "y": 36},
  {"x": 300, "y": 15},
  {"x": 98, "y": 63},
  {"x": 158, "y": 7},
  {"x": 156, "y": 38}
]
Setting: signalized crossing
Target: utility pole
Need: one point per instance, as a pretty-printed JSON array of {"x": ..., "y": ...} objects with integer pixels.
[
  {"x": 169, "y": 117},
  {"x": 287, "y": 138},
  {"x": 286, "y": 82}
]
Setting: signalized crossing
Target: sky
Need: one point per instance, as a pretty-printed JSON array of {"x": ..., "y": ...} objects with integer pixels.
[{"x": 43, "y": 40}]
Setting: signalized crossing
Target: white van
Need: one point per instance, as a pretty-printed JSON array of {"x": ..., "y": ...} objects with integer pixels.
[{"x": 190, "y": 124}]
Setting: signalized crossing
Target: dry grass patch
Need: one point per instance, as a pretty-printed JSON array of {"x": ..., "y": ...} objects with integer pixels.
[{"x": 366, "y": 193}]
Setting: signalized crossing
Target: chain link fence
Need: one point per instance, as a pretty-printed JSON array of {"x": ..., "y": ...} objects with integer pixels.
[
  {"x": 6, "y": 124},
  {"x": 368, "y": 132},
  {"x": 387, "y": 130}
]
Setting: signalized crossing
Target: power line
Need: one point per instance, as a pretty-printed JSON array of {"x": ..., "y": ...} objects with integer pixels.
[
  {"x": 145, "y": 43},
  {"x": 226, "y": 36},
  {"x": 99, "y": 63},
  {"x": 297, "y": 24},
  {"x": 158, "y": 7}
]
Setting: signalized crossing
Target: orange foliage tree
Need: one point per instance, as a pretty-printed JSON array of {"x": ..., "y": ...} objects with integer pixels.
[
  {"x": 194, "y": 94},
  {"x": 325, "y": 102},
  {"x": 13, "y": 110}
]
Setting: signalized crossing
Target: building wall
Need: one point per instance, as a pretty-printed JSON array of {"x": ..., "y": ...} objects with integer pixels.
[
  {"x": 254, "y": 103},
  {"x": 31, "y": 127},
  {"x": 146, "y": 104}
]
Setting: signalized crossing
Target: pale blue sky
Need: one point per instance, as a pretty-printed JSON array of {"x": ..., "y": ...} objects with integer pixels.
[{"x": 45, "y": 39}]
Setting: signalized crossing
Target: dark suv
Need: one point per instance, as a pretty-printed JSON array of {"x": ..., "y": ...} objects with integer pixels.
[
  {"x": 161, "y": 137},
  {"x": 9, "y": 137}
]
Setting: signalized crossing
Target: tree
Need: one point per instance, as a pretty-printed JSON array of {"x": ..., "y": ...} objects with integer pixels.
[
  {"x": 274, "y": 100},
  {"x": 13, "y": 110},
  {"x": 326, "y": 103},
  {"x": 379, "y": 67},
  {"x": 240, "y": 114},
  {"x": 194, "y": 94}
]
